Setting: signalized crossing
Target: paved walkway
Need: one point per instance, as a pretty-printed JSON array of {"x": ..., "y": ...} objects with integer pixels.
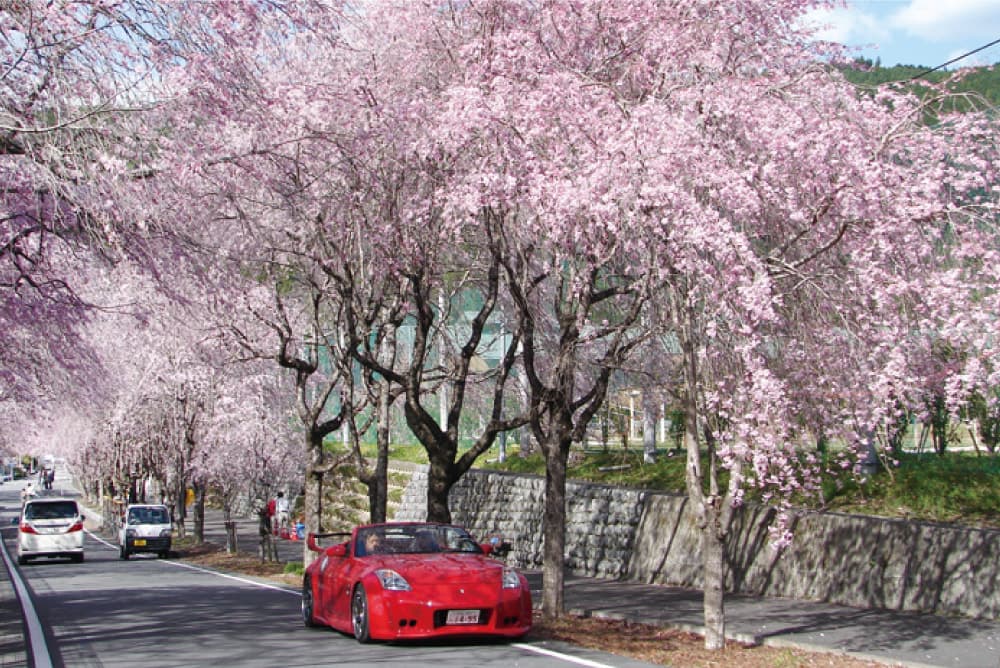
[{"x": 893, "y": 638}]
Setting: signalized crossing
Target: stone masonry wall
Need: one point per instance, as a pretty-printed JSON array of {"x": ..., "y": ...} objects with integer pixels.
[{"x": 650, "y": 537}]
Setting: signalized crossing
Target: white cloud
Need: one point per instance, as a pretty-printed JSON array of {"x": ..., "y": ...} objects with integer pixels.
[
  {"x": 849, "y": 26},
  {"x": 942, "y": 20}
]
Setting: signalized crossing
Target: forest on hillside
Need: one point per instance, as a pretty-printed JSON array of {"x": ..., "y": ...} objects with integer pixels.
[{"x": 982, "y": 80}]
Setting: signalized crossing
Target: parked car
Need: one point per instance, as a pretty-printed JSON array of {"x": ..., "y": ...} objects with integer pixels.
[
  {"x": 50, "y": 527},
  {"x": 145, "y": 528},
  {"x": 413, "y": 580}
]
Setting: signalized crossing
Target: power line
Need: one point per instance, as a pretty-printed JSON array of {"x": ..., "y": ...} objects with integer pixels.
[{"x": 955, "y": 60}]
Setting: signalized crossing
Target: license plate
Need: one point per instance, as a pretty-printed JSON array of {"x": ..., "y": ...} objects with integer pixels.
[
  {"x": 462, "y": 617},
  {"x": 139, "y": 542}
]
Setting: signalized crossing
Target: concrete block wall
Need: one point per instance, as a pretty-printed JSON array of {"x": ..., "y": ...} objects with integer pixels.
[{"x": 651, "y": 537}]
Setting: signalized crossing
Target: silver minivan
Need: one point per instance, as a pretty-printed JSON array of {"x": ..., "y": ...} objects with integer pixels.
[{"x": 50, "y": 527}]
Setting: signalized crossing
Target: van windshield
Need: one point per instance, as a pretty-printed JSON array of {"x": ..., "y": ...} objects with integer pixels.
[
  {"x": 51, "y": 510},
  {"x": 148, "y": 516}
]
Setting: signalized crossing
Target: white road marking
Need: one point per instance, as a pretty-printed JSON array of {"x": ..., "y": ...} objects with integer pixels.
[
  {"x": 559, "y": 655},
  {"x": 264, "y": 585},
  {"x": 192, "y": 567}
]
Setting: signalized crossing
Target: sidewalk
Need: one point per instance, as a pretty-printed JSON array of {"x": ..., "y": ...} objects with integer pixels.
[{"x": 889, "y": 637}]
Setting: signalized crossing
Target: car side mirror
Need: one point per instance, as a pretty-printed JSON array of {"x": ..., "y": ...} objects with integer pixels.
[
  {"x": 339, "y": 550},
  {"x": 495, "y": 549}
]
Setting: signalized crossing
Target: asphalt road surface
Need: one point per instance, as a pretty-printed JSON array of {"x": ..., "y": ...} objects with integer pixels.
[{"x": 151, "y": 612}]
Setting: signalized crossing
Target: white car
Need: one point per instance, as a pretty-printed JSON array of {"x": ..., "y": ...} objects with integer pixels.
[
  {"x": 146, "y": 528},
  {"x": 50, "y": 527}
]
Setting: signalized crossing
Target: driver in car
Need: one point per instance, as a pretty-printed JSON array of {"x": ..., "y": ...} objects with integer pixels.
[{"x": 374, "y": 543}]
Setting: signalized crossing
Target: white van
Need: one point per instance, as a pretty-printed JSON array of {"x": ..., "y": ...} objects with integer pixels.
[
  {"x": 50, "y": 527},
  {"x": 145, "y": 528}
]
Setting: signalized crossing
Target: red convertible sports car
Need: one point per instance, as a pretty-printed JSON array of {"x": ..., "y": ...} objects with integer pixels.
[{"x": 413, "y": 580}]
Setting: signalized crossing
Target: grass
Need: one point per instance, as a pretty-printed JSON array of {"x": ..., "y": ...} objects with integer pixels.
[{"x": 957, "y": 487}]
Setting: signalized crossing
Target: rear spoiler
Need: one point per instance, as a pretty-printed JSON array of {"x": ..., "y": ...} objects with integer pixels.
[{"x": 314, "y": 546}]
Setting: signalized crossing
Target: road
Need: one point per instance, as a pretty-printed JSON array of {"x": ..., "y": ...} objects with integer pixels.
[{"x": 146, "y": 611}]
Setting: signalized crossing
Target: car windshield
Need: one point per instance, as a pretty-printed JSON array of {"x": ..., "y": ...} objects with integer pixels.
[
  {"x": 51, "y": 510},
  {"x": 414, "y": 539},
  {"x": 148, "y": 516}
]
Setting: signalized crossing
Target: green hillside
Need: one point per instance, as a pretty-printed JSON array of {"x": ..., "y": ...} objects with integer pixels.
[{"x": 984, "y": 81}]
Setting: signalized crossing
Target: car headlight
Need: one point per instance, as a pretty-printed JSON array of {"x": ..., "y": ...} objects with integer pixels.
[
  {"x": 511, "y": 579},
  {"x": 164, "y": 533},
  {"x": 392, "y": 581},
  {"x": 130, "y": 533}
]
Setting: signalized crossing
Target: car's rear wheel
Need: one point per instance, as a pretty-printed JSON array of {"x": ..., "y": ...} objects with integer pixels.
[
  {"x": 359, "y": 614},
  {"x": 307, "y": 605}
]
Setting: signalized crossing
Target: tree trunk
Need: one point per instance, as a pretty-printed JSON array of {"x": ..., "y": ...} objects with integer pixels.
[
  {"x": 713, "y": 551},
  {"x": 648, "y": 430},
  {"x": 438, "y": 485},
  {"x": 180, "y": 505},
  {"x": 378, "y": 485},
  {"x": 199, "y": 513},
  {"x": 313, "y": 501},
  {"x": 232, "y": 541},
  {"x": 554, "y": 528}
]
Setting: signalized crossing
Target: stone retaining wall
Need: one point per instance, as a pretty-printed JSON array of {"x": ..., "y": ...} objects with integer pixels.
[{"x": 650, "y": 537}]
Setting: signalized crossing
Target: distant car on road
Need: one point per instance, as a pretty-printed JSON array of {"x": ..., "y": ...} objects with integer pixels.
[
  {"x": 50, "y": 527},
  {"x": 146, "y": 528},
  {"x": 413, "y": 580}
]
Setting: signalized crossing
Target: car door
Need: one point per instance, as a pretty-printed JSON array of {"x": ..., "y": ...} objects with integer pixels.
[
  {"x": 339, "y": 578},
  {"x": 327, "y": 576}
]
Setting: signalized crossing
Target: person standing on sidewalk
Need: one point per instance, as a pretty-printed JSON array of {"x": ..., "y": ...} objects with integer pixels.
[
  {"x": 281, "y": 508},
  {"x": 272, "y": 520}
]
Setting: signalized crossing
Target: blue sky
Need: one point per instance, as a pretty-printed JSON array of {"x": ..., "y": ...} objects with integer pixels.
[{"x": 917, "y": 32}]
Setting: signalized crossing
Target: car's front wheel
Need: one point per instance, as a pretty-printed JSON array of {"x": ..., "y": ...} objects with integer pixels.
[
  {"x": 307, "y": 605},
  {"x": 122, "y": 552},
  {"x": 359, "y": 614}
]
